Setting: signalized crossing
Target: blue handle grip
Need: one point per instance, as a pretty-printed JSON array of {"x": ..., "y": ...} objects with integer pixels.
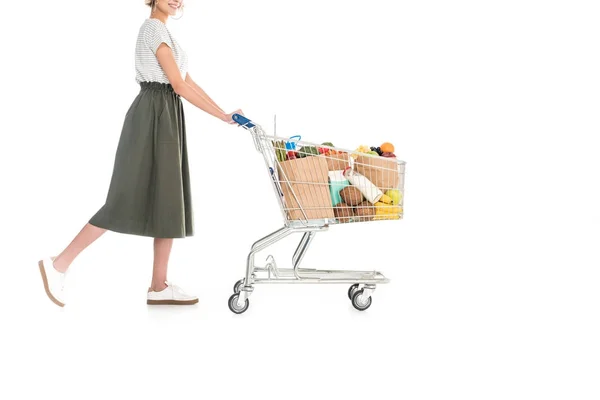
[{"x": 240, "y": 119}]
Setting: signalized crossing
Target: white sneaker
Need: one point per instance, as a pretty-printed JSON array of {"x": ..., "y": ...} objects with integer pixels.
[
  {"x": 54, "y": 281},
  {"x": 172, "y": 294}
]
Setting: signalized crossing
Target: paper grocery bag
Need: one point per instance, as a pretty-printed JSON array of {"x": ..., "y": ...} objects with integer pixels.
[
  {"x": 337, "y": 162},
  {"x": 382, "y": 171},
  {"x": 305, "y": 186}
]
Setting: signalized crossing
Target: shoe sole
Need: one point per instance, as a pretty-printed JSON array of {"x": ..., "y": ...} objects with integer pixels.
[
  {"x": 171, "y": 302},
  {"x": 46, "y": 288}
]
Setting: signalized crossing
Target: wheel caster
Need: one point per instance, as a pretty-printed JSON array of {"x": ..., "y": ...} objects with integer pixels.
[
  {"x": 233, "y": 304},
  {"x": 238, "y": 285},
  {"x": 352, "y": 289},
  {"x": 359, "y": 302}
]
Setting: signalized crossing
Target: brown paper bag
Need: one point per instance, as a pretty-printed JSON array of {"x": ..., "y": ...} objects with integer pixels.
[
  {"x": 305, "y": 186},
  {"x": 382, "y": 171},
  {"x": 337, "y": 162}
]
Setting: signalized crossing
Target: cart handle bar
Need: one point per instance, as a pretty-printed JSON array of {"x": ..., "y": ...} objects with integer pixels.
[{"x": 242, "y": 121}]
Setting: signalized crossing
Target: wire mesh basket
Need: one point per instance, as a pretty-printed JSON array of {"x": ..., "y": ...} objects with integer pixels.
[{"x": 319, "y": 183}]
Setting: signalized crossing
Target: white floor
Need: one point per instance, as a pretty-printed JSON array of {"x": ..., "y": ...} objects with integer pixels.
[{"x": 461, "y": 319}]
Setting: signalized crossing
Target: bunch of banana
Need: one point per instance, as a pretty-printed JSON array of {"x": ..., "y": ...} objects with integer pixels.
[
  {"x": 392, "y": 196},
  {"x": 361, "y": 149},
  {"x": 386, "y": 199},
  {"x": 386, "y": 211},
  {"x": 280, "y": 151}
]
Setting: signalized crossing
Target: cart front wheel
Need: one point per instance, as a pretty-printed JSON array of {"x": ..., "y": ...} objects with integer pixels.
[
  {"x": 238, "y": 285},
  {"x": 352, "y": 289},
  {"x": 233, "y": 304},
  {"x": 359, "y": 302}
]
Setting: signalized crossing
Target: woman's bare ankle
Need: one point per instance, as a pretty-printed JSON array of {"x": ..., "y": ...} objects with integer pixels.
[
  {"x": 158, "y": 287},
  {"x": 60, "y": 264}
]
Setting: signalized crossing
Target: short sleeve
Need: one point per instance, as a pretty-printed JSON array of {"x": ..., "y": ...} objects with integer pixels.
[{"x": 155, "y": 34}]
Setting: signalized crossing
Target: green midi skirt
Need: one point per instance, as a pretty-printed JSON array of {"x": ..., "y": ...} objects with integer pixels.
[{"x": 149, "y": 192}]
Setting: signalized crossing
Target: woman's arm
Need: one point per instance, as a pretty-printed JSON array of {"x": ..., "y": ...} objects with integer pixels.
[
  {"x": 194, "y": 85},
  {"x": 184, "y": 89}
]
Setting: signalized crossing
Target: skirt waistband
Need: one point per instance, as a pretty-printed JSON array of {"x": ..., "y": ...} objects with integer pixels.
[{"x": 156, "y": 86}]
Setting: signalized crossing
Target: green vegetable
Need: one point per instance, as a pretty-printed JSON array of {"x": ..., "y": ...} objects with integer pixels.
[
  {"x": 328, "y": 144},
  {"x": 306, "y": 151},
  {"x": 280, "y": 152}
]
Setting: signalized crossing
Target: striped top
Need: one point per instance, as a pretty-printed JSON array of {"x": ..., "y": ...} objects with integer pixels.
[{"x": 152, "y": 33}]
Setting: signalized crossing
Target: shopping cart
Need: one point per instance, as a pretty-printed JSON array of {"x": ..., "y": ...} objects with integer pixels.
[{"x": 318, "y": 186}]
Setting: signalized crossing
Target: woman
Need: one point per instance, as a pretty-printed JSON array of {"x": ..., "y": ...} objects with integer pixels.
[{"x": 149, "y": 192}]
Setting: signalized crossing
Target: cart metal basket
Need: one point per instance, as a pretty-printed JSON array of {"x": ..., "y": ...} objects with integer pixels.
[{"x": 317, "y": 186}]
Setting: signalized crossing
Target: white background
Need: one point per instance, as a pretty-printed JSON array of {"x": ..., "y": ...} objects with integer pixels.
[{"x": 495, "y": 268}]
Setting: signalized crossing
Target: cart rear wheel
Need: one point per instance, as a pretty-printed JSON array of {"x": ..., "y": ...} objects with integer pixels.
[
  {"x": 359, "y": 302},
  {"x": 233, "y": 304},
  {"x": 352, "y": 289},
  {"x": 238, "y": 285}
]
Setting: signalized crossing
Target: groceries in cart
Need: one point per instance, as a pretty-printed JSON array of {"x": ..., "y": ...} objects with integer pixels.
[
  {"x": 324, "y": 182},
  {"x": 317, "y": 185}
]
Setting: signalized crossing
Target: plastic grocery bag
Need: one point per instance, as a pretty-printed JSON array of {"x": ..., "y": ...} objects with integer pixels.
[{"x": 337, "y": 182}]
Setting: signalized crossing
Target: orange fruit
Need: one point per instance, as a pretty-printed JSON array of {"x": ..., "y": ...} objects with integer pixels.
[{"x": 387, "y": 148}]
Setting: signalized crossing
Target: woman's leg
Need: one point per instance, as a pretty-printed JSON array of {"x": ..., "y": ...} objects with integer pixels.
[
  {"x": 162, "y": 251},
  {"x": 84, "y": 238},
  {"x": 159, "y": 293}
]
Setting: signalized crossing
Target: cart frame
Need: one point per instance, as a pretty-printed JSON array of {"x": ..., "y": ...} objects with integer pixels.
[{"x": 363, "y": 283}]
